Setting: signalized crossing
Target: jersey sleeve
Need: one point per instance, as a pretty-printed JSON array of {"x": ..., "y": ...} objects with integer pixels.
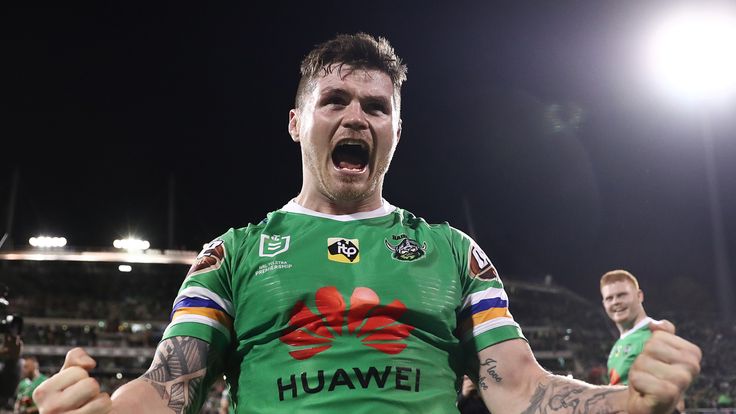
[
  {"x": 484, "y": 318},
  {"x": 203, "y": 307}
]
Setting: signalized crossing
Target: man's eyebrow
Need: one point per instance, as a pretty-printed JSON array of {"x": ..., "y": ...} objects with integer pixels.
[
  {"x": 333, "y": 90},
  {"x": 378, "y": 99}
]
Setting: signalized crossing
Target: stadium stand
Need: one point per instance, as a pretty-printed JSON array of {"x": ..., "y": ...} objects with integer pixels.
[{"x": 120, "y": 317}]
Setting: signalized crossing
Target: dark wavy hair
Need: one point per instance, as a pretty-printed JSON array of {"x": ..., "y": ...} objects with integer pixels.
[{"x": 361, "y": 51}]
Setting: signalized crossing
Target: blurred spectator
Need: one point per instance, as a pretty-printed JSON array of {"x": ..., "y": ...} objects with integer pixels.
[{"x": 31, "y": 378}]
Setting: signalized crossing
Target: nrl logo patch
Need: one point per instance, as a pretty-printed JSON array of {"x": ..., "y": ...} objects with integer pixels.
[
  {"x": 272, "y": 245},
  {"x": 407, "y": 250}
]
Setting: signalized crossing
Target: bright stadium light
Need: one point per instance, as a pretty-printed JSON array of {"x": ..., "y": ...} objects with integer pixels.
[
  {"x": 125, "y": 268},
  {"x": 46, "y": 241},
  {"x": 692, "y": 53},
  {"x": 131, "y": 244}
]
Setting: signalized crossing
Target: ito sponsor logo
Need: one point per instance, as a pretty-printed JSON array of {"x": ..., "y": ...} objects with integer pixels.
[{"x": 343, "y": 250}]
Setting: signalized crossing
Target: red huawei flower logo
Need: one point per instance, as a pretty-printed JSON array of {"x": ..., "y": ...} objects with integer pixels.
[{"x": 376, "y": 326}]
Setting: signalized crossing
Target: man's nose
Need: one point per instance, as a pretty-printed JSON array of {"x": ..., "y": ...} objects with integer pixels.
[{"x": 354, "y": 117}]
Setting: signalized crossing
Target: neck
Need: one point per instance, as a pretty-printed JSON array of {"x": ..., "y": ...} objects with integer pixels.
[
  {"x": 627, "y": 326},
  {"x": 319, "y": 202}
]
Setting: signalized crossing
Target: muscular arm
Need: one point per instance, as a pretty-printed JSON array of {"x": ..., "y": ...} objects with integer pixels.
[
  {"x": 177, "y": 380},
  {"x": 511, "y": 380}
]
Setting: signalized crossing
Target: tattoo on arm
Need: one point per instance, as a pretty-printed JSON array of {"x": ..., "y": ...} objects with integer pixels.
[
  {"x": 491, "y": 366},
  {"x": 178, "y": 370},
  {"x": 482, "y": 383},
  {"x": 561, "y": 395}
]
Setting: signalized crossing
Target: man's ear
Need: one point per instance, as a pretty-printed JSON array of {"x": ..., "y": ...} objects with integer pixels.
[
  {"x": 398, "y": 132},
  {"x": 641, "y": 296},
  {"x": 294, "y": 125}
]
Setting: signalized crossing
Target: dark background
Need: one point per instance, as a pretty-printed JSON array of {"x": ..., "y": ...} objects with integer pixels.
[{"x": 537, "y": 116}]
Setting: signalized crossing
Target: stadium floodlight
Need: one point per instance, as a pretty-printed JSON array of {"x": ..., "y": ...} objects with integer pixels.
[
  {"x": 131, "y": 244},
  {"x": 46, "y": 241},
  {"x": 692, "y": 53},
  {"x": 125, "y": 268}
]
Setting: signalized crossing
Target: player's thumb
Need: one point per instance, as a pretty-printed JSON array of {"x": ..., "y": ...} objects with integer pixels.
[
  {"x": 663, "y": 325},
  {"x": 77, "y": 357}
]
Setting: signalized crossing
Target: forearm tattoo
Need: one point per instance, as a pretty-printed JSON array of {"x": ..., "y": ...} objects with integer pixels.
[
  {"x": 178, "y": 370},
  {"x": 564, "y": 396}
]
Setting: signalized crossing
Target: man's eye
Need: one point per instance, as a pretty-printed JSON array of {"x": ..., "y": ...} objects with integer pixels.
[
  {"x": 376, "y": 107},
  {"x": 335, "y": 100}
]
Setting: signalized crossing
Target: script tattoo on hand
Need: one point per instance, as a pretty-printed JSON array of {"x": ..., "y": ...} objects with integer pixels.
[
  {"x": 490, "y": 365},
  {"x": 560, "y": 395},
  {"x": 177, "y": 371}
]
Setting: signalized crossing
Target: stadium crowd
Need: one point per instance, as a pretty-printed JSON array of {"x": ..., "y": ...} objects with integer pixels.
[{"x": 571, "y": 334}]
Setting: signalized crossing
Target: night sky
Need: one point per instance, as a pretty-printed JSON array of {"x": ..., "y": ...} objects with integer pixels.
[{"x": 537, "y": 116}]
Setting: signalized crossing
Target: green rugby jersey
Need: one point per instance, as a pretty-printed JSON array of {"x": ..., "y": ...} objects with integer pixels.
[
  {"x": 625, "y": 351},
  {"x": 24, "y": 394},
  {"x": 373, "y": 312}
]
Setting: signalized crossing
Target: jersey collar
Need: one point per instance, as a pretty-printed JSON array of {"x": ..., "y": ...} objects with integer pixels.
[
  {"x": 642, "y": 323},
  {"x": 385, "y": 209}
]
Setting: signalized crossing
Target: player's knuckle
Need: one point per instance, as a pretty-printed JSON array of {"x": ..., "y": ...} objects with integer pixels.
[
  {"x": 53, "y": 407},
  {"x": 634, "y": 375},
  {"x": 671, "y": 390},
  {"x": 75, "y": 353},
  {"x": 100, "y": 405},
  {"x": 40, "y": 393},
  {"x": 91, "y": 386},
  {"x": 697, "y": 352},
  {"x": 687, "y": 377},
  {"x": 76, "y": 371}
]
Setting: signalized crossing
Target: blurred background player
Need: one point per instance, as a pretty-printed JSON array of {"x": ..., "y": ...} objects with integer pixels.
[
  {"x": 11, "y": 344},
  {"x": 624, "y": 304},
  {"x": 31, "y": 379},
  {"x": 623, "y": 301}
]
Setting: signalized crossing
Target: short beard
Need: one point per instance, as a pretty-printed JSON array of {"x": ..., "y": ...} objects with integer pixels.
[{"x": 345, "y": 193}]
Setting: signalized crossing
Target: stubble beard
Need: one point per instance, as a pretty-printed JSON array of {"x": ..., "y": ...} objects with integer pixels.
[{"x": 347, "y": 189}]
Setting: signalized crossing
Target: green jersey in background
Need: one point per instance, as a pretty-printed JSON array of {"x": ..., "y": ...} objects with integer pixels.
[
  {"x": 374, "y": 312},
  {"x": 625, "y": 351},
  {"x": 24, "y": 396}
]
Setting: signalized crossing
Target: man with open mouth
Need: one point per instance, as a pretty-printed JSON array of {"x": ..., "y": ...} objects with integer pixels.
[{"x": 340, "y": 301}]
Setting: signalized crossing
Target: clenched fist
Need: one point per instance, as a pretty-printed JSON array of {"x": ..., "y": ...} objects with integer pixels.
[
  {"x": 72, "y": 389},
  {"x": 662, "y": 372}
]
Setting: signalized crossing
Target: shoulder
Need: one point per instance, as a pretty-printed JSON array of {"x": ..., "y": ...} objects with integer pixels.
[{"x": 443, "y": 229}]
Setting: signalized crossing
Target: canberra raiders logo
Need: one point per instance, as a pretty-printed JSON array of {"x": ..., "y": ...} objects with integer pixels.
[{"x": 407, "y": 250}]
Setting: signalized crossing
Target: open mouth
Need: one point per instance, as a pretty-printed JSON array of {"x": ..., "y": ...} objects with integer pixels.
[{"x": 351, "y": 156}]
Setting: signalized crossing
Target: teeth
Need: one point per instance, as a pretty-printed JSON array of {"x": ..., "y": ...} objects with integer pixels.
[{"x": 352, "y": 141}]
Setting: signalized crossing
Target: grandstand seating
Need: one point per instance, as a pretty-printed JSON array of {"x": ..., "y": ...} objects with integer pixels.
[{"x": 120, "y": 317}]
